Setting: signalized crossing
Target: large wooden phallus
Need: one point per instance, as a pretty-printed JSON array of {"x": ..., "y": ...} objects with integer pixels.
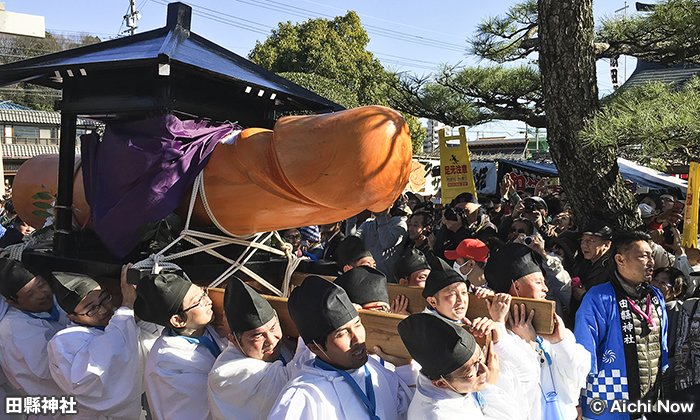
[{"x": 308, "y": 170}]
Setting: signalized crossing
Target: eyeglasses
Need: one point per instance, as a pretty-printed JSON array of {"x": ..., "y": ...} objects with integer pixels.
[
  {"x": 475, "y": 369},
  {"x": 96, "y": 308},
  {"x": 291, "y": 238},
  {"x": 205, "y": 294}
]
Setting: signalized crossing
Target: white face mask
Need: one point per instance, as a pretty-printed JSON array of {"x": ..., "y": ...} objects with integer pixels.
[{"x": 458, "y": 269}]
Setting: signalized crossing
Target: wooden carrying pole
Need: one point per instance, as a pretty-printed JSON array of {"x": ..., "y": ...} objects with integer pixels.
[
  {"x": 380, "y": 327},
  {"x": 543, "y": 321}
]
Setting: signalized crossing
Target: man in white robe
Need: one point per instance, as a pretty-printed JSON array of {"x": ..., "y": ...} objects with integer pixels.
[
  {"x": 5, "y": 388},
  {"x": 181, "y": 359},
  {"x": 340, "y": 383},
  {"x": 97, "y": 358},
  {"x": 456, "y": 379},
  {"x": 446, "y": 292},
  {"x": 250, "y": 373},
  {"x": 564, "y": 364},
  {"x": 30, "y": 322}
]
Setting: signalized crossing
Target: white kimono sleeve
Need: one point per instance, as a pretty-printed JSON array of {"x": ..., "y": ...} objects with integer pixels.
[
  {"x": 501, "y": 405},
  {"x": 520, "y": 370},
  {"x": 240, "y": 387},
  {"x": 23, "y": 353},
  {"x": 571, "y": 364},
  {"x": 101, "y": 371},
  {"x": 176, "y": 378},
  {"x": 300, "y": 403}
]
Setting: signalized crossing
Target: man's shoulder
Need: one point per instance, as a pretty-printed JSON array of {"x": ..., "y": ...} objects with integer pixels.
[
  {"x": 603, "y": 289},
  {"x": 232, "y": 362},
  {"x": 598, "y": 296},
  {"x": 76, "y": 332},
  {"x": 19, "y": 324},
  {"x": 311, "y": 380},
  {"x": 169, "y": 348}
]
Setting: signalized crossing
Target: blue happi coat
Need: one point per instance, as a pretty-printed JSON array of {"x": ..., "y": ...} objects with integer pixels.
[{"x": 599, "y": 330}]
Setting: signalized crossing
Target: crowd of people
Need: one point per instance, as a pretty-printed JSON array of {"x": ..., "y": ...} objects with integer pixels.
[{"x": 626, "y": 323}]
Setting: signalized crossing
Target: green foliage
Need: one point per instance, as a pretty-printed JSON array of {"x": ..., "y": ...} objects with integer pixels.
[
  {"x": 329, "y": 57},
  {"x": 334, "y": 49},
  {"x": 667, "y": 35},
  {"x": 42, "y": 205},
  {"x": 42, "y": 214},
  {"x": 45, "y": 209},
  {"x": 42, "y": 195},
  {"x": 471, "y": 96},
  {"x": 325, "y": 87},
  {"x": 16, "y": 47},
  {"x": 653, "y": 124},
  {"x": 504, "y": 38},
  {"x": 417, "y": 132}
]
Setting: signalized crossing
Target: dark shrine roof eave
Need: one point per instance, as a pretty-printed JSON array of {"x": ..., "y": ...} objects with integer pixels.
[{"x": 166, "y": 45}]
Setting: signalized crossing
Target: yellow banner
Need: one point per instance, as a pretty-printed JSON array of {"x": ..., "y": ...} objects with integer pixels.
[
  {"x": 690, "y": 219},
  {"x": 456, "y": 174}
]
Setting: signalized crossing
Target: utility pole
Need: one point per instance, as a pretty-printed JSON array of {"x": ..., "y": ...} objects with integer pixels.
[
  {"x": 624, "y": 19},
  {"x": 131, "y": 18}
]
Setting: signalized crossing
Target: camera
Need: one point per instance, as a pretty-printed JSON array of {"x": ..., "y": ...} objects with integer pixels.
[
  {"x": 530, "y": 206},
  {"x": 452, "y": 213},
  {"x": 528, "y": 240}
]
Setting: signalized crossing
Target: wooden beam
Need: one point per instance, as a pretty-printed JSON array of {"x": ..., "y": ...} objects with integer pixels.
[
  {"x": 543, "y": 321},
  {"x": 217, "y": 303},
  {"x": 380, "y": 327}
]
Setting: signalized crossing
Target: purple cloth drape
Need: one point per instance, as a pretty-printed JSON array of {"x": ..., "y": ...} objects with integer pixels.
[{"x": 139, "y": 172}]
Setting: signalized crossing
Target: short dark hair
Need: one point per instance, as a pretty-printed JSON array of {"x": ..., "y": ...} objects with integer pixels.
[
  {"x": 623, "y": 241},
  {"x": 524, "y": 221},
  {"x": 676, "y": 277},
  {"x": 427, "y": 217},
  {"x": 655, "y": 197},
  {"x": 321, "y": 341}
]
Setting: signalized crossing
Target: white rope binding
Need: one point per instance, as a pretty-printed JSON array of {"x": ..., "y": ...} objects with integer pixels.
[{"x": 252, "y": 242}]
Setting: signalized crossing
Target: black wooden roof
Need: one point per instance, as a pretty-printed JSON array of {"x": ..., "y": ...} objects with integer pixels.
[
  {"x": 655, "y": 72},
  {"x": 170, "y": 69}
]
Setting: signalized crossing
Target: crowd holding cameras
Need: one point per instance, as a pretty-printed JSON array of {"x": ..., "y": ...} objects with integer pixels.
[{"x": 626, "y": 325}]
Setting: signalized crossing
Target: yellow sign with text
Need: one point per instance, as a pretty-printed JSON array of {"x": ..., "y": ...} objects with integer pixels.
[
  {"x": 456, "y": 175},
  {"x": 690, "y": 219}
]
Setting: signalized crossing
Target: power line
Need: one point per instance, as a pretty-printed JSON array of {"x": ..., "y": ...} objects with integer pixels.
[
  {"x": 209, "y": 15},
  {"x": 401, "y": 36},
  {"x": 295, "y": 11},
  {"x": 217, "y": 16},
  {"x": 384, "y": 20}
]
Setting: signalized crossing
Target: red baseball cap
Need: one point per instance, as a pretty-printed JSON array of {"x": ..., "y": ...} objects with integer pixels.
[{"x": 471, "y": 249}]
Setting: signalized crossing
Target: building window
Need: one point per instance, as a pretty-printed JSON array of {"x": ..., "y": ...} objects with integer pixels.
[{"x": 25, "y": 134}]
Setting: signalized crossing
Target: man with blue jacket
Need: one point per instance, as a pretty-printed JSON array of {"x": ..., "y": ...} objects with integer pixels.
[{"x": 623, "y": 324}]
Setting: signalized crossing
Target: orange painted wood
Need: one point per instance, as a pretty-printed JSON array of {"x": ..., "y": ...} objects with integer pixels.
[{"x": 312, "y": 169}]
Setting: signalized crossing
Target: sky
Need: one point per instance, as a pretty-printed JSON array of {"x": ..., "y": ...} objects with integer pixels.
[{"x": 406, "y": 35}]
